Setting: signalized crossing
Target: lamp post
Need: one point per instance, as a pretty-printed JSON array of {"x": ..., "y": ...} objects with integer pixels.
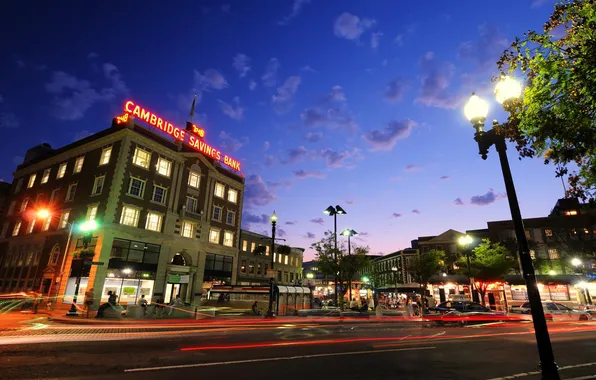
[
  {"x": 271, "y": 283},
  {"x": 476, "y": 111},
  {"x": 394, "y": 270},
  {"x": 465, "y": 241},
  {"x": 349, "y": 233},
  {"x": 87, "y": 228},
  {"x": 334, "y": 211}
]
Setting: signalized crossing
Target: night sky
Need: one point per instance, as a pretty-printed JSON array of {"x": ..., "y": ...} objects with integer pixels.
[{"x": 356, "y": 103}]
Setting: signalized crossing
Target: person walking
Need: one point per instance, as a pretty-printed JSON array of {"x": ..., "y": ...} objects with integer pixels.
[
  {"x": 143, "y": 305},
  {"x": 89, "y": 300}
]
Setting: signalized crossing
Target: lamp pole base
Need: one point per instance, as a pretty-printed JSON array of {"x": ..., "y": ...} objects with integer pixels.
[{"x": 270, "y": 314}]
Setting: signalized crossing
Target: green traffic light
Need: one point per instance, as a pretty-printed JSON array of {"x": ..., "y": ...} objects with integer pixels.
[
  {"x": 365, "y": 279},
  {"x": 89, "y": 225}
]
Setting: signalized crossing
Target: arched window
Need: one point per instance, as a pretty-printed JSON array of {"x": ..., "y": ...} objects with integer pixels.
[
  {"x": 54, "y": 255},
  {"x": 178, "y": 259}
]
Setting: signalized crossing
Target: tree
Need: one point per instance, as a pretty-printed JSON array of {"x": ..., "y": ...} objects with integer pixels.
[
  {"x": 425, "y": 266},
  {"x": 488, "y": 262},
  {"x": 556, "y": 118}
]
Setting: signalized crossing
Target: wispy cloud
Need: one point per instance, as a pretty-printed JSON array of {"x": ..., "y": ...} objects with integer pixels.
[
  {"x": 375, "y": 40},
  {"x": 334, "y": 118},
  {"x": 458, "y": 202},
  {"x": 351, "y": 27},
  {"x": 396, "y": 215},
  {"x": 269, "y": 78},
  {"x": 412, "y": 168},
  {"x": 234, "y": 111},
  {"x": 445, "y": 178},
  {"x": 231, "y": 144},
  {"x": 486, "y": 199},
  {"x": 303, "y": 174},
  {"x": 242, "y": 64},
  {"x": 313, "y": 136},
  {"x": 436, "y": 79},
  {"x": 257, "y": 192},
  {"x": 296, "y": 10},
  {"x": 394, "y": 91},
  {"x": 310, "y": 235},
  {"x": 416, "y": 211},
  {"x": 318, "y": 221},
  {"x": 283, "y": 99},
  {"x": 210, "y": 78},
  {"x": 386, "y": 138}
]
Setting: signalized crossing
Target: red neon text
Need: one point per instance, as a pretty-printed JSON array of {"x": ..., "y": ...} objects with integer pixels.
[
  {"x": 198, "y": 131},
  {"x": 122, "y": 119},
  {"x": 154, "y": 120}
]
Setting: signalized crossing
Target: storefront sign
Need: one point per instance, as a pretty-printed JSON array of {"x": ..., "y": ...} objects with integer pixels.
[
  {"x": 178, "y": 278},
  {"x": 192, "y": 138}
]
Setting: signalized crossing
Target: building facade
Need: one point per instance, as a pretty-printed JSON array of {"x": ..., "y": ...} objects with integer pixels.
[
  {"x": 392, "y": 270},
  {"x": 254, "y": 261},
  {"x": 168, "y": 218}
]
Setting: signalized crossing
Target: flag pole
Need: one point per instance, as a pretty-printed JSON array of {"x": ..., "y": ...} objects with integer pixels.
[{"x": 192, "y": 108}]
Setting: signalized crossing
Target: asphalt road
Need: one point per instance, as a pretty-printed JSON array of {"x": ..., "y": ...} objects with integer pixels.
[{"x": 373, "y": 351}]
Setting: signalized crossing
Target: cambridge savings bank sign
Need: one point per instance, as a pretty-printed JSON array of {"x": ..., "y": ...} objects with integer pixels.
[{"x": 193, "y": 137}]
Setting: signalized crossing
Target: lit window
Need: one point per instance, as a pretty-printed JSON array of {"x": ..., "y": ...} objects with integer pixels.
[
  {"x": 571, "y": 212},
  {"x": 553, "y": 254},
  {"x": 46, "y": 175},
  {"x": 243, "y": 266},
  {"x": 70, "y": 194},
  {"x": 11, "y": 208},
  {"x": 159, "y": 194},
  {"x": 244, "y": 245},
  {"x": 219, "y": 190},
  {"x": 64, "y": 219},
  {"x": 191, "y": 204},
  {"x": 286, "y": 259},
  {"x": 136, "y": 187},
  {"x": 230, "y": 216},
  {"x": 91, "y": 212},
  {"x": 4, "y": 230},
  {"x": 79, "y": 164},
  {"x": 141, "y": 158},
  {"x": 105, "y": 155},
  {"x": 217, "y": 213},
  {"x": 164, "y": 167},
  {"x": 54, "y": 255},
  {"x": 267, "y": 250},
  {"x": 153, "y": 221},
  {"x": 228, "y": 239},
  {"x": 46, "y": 224},
  {"x": 130, "y": 216},
  {"x": 18, "y": 186},
  {"x": 24, "y": 204},
  {"x": 253, "y": 246},
  {"x": 31, "y": 226},
  {"x": 61, "y": 170},
  {"x": 214, "y": 236},
  {"x": 17, "y": 227},
  {"x": 194, "y": 179},
  {"x": 98, "y": 185},
  {"x": 31, "y": 181},
  {"x": 233, "y": 195},
  {"x": 548, "y": 232},
  {"x": 533, "y": 254},
  {"x": 187, "y": 229}
]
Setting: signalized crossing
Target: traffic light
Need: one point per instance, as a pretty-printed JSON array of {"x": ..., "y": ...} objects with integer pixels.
[{"x": 87, "y": 228}]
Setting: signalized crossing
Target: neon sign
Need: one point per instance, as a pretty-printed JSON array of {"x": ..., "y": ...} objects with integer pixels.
[{"x": 192, "y": 138}]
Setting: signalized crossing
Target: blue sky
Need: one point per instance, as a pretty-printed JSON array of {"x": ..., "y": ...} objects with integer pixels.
[{"x": 324, "y": 102}]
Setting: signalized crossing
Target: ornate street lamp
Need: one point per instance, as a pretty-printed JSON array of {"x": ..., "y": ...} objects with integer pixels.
[
  {"x": 273, "y": 218},
  {"x": 476, "y": 111},
  {"x": 349, "y": 233},
  {"x": 334, "y": 211},
  {"x": 465, "y": 241}
]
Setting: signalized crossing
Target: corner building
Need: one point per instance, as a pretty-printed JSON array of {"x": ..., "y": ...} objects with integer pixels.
[{"x": 168, "y": 218}]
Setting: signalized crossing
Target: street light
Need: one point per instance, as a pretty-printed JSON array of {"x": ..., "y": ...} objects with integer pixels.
[
  {"x": 576, "y": 262},
  {"x": 271, "y": 284},
  {"x": 394, "y": 270},
  {"x": 334, "y": 211},
  {"x": 476, "y": 111},
  {"x": 465, "y": 241},
  {"x": 349, "y": 233},
  {"x": 87, "y": 228}
]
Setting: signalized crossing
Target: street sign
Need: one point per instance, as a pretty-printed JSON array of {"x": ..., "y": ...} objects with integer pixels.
[
  {"x": 271, "y": 273},
  {"x": 97, "y": 263}
]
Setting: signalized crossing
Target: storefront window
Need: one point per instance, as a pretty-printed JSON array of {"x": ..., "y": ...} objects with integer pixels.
[
  {"x": 70, "y": 289},
  {"x": 128, "y": 290}
]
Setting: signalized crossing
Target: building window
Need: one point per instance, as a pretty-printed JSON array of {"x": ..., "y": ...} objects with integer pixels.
[
  {"x": 220, "y": 189},
  {"x": 528, "y": 235},
  {"x": 553, "y": 254},
  {"x": 267, "y": 248},
  {"x": 18, "y": 186},
  {"x": 214, "y": 236},
  {"x": 548, "y": 232},
  {"x": 286, "y": 259},
  {"x": 259, "y": 269},
  {"x": 164, "y": 167},
  {"x": 194, "y": 179},
  {"x": 533, "y": 254},
  {"x": 61, "y": 170},
  {"x": 243, "y": 266},
  {"x": 54, "y": 255},
  {"x": 251, "y": 267},
  {"x": 244, "y": 245},
  {"x": 233, "y": 195},
  {"x": 136, "y": 187},
  {"x": 130, "y": 216},
  {"x": 217, "y": 213},
  {"x": 187, "y": 229},
  {"x": 98, "y": 185},
  {"x": 191, "y": 204},
  {"x": 46, "y": 175},
  {"x": 17, "y": 227},
  {"x": 79, "y": 164},
  {"x": 70, "y": 194},
  {"x": 571, "y": 212},
  {"x": 153, "y": 221},
  {"x": 64, "y": 219},
  {"x": 31, "y": 180},
  {"x": 141, "y": 158},
  {"x": 24, "y": 204},
  {"x": 91, "y": 212},
  {"x": 230, "y": 217},
  {"x": 4, "y": 231},
  {"x": 228, "y": 239},
  {"x": 159, "y": 194},
  {"x": 31, "y": 226},
  {"x": 105, "y": 156},
  {"x": 11, "y": 208},
  {"x": 46, "y": 224},
  {"x": 253, "y": 246}
]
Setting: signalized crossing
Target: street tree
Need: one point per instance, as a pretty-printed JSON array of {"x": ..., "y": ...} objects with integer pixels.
[
  {"x": 488, "y": 262},
  {"x": 556, "y": 117},
  {"x": 425, "y": 266}
]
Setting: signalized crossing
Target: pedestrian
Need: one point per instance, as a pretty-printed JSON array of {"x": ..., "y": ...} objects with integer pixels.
[
  {"x": 409, "y": 307},
  {"x": 143, "y": 305},
  {"x": 255, "y": 308},
  {"x": 112, "y": 298},
  {"x": 175, "y": 302},
  {"x": 158, "y": 310},
  {"x": 88, "y": 300}
]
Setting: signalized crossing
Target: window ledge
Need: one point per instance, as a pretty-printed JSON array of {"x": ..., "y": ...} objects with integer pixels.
[{"x": 135, "y": 196}]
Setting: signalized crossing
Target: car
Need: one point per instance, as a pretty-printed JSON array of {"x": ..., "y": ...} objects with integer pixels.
[
  {"x": 555, "y": 312},
  {"x": 460, "y": 307}
]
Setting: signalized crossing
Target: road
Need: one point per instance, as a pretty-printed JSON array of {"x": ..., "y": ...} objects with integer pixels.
[{"x": 345, "y": 350}]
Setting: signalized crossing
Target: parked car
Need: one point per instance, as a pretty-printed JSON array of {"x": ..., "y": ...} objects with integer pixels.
[
  {"x": 460, "y": 307},
  {"x": 555, "y": 312}
]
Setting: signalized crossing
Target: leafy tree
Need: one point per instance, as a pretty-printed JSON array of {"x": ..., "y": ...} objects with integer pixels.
[
  {"x": 488, "y": 262},
  {"x": 425, "y": 266},
  {"x": 556, "y": 118}
]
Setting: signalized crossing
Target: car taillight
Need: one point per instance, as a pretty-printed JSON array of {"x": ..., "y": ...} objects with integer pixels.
[{"x": 548, "y": 317}]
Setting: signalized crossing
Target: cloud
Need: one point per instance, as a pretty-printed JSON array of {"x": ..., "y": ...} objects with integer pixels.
[
  {"x": 416, "y": 211},
  {"x": 234, "y": 110},
  {"x": 297, "y": 154},
  {"x": 386, "y": 138},
  {"x": 487, "y": 49},
  {"x": 9, "y": 120},
  {"x": 276, "y": 185},
  {"x": 486, "y": 199},
  {"x": 92, "y": 55},
  {"x": 257, "y": 192},
  {"x": 445, "y": 178},
  {"x": 336, "y": 95},
  {"x": 303, "y": 174},
  {"x": 436, "y": 78},
  {"x": 252, "y": 85},
  {"x": 337, "y": 159},
  {"x": 411, "y": 168},
  {"x": 113, "y": 75},
  {"x": 290, "y": 223},
  {"x": 375, "y": 39},
  {"x": 231, "y": 144},
  {"x": 539, "y": 3},
  {"x": 308, "y": 69},
  {"x": 266, "y": 146},
  {"x": 351, "y": 27},
  {"x": 333, "y": 118},
  {"x": 270, "y": 77},
  {"x": 318, "y": 221},
  {"x": 313, "y": 136},
  {"x": 399, "y": 40},
  {"x": 211, "y": 78},
  {"x": 296, "y": 9},
  {"x": 283, "y": 100},
  {"x": 396, "y": 215},
  {"x": 394, "y": 91},
  {"x": 242, "y": 64},
  {"x": 310, "y": 235},
  {"x": 270, "y": 160},
  {"x": 281, "y": 232},
  {"x": 458, "y": 202},
  {"x": 248, "y": 217}
]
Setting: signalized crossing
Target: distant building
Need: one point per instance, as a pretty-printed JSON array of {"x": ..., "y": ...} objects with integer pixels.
[{"x": 391, "y": 271}]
